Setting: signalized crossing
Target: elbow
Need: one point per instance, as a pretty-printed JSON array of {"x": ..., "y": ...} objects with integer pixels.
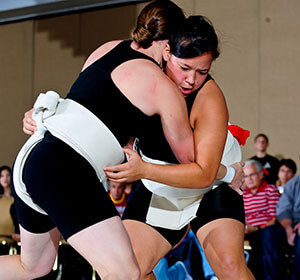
[
  {"x": 205, "y": 177},
  {"x": 185, "y": 154},
  {"x": 210, "y": 179}
]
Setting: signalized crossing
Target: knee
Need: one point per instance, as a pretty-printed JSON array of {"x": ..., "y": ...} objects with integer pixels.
[
  {"x": 38, "y": 271},
  {"x": 231, "y": 267},
  {"x": 131, "y": 272}
]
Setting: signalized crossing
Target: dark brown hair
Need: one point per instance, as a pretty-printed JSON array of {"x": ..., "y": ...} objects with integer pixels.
[
  {"x": 194, "y": 38},
  {"x": 261, "y": 135},
  {"x": 157, "y": 21}
]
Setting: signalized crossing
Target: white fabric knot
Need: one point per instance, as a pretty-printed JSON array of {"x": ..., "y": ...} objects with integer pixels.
[{"x": 44, "y": 107}]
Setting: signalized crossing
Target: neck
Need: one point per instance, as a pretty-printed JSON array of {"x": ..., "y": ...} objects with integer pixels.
[
  {"x": 261, "y": 154},
  {"x": 154, "y": 51},
  {"x": 254, "y": 190},
  {"x": 7, "y": 192}
]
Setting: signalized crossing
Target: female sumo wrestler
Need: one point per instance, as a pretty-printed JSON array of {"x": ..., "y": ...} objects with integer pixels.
[
  {"x": 110, "y": 101},
  {"x": 157, "y": 215}
]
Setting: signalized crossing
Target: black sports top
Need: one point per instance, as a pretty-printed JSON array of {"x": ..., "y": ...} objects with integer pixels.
[
  {"x": 95, "y": 90},
  {"x": 153, "y": 142}
]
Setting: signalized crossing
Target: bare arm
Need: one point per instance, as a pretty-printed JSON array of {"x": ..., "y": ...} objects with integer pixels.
[
  {"x": 209, "y": 120},
  {"x": 154, "y": 93}
]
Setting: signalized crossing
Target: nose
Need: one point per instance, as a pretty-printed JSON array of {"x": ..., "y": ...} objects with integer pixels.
[{"x": 191, "y": 78}]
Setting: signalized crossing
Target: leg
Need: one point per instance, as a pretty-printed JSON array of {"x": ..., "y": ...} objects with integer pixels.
[
  {"x": 272, "y": 242},
  {"x": 296, "y": 269},
  {"x": 106, "y": 246},
  {"x": 38, "y": 253},
  {"x": 222, "y": 241},
  {"x": 149, "y": 246}
]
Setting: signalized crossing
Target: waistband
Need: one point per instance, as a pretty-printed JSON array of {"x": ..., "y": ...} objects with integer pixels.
[
  {"x": 174, "y": 208},
  {"x": 76, "y": 126}
]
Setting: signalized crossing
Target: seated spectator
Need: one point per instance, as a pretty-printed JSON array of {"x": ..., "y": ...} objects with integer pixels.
[
  {"x": 287, "y": 170},
  {"x": 6, "y": 200},
  {"x": 269, "y": 163},
  {"x": 5, "y": 173},
  {"x": 288, "y": 215},
  {"x": 118, "y": 195},
  {"x": 260, "y": 200}
]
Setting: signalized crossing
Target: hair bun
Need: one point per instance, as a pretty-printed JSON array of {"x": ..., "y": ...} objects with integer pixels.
[{"x": 142, "y": 36}]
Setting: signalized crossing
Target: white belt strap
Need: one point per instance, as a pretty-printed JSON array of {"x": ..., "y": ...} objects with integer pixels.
[
  {"x": 174, "y": 208},
  {"x": 77, "y": 127}
]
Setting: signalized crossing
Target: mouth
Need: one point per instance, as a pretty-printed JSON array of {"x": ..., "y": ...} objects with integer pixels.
[{"x": 185, "y": 91}]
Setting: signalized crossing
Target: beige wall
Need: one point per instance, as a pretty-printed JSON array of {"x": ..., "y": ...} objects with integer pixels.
[
  {"x": 39, "y": 55},
  {"x": 259, "y": 66},
  {"x": 257, "y": 70}
]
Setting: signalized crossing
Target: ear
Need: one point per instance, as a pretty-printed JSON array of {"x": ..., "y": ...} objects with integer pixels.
[
  {"x": 166, "y": 53},
  {"x": 261, "y": 174}
]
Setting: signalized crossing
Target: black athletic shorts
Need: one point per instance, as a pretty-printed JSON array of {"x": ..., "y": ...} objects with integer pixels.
[
  {"x": 65, "y": 186},
  {"x": 222, "y": 202}
]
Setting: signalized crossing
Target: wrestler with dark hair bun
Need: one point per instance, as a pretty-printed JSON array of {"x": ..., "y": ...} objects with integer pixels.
[{"x": 121, "y": 86}]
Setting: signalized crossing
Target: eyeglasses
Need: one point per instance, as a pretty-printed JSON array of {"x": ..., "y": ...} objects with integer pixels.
[{"x": 251, "y": 175}]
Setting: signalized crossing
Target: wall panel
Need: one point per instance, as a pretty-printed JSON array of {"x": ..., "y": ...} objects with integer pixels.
[{"x": 16, "y": 80}]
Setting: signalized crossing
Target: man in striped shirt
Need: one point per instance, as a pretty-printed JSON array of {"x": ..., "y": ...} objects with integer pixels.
[{"x": 260, "y": 200}]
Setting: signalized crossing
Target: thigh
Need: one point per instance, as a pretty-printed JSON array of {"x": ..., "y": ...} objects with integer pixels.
[
  {"x": 31, "y": 220},
  {"x": 38, "y": 251},
  {"x": 106, "y": 246},
  {"x": 221, "y": 202},
  {"x": 219, "y": 227},
  {"x": 148, "y": 244},
  {"x": 66, "y": 186},
  {"x": 221, "y": 239},
  {"x": 137, "y": 208}
]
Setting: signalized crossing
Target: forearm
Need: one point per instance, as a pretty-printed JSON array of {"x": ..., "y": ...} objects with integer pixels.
[
  {"x": 287, "y": 224},
  {"x": 271, "y": 222},
  {"x": 189, "y": 175},
  {"x": 221, "y": 172}
]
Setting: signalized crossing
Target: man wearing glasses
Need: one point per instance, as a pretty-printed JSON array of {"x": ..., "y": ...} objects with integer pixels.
[{"x": 260, "y": 200}]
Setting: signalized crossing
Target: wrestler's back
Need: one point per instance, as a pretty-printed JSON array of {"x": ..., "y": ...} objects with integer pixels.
[
  {"x": 95, "y": 90},
  {"x": 56, "y": 175}
]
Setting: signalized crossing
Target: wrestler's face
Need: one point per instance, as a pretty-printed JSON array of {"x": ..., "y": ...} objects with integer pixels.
[
  {"x": 5, "y": 178},
  {"x": 252, "y": 177},
  {"x": 187, "y": 73},
  {"x": 261, "y": 144},
  {"x": 284, "y": 174},
  {"x": 116, "y": 190}
]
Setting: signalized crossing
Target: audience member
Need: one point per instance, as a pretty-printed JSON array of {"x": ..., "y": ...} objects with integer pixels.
[
  {"x": 6, "y": 200},
  {"x": 269, "y": 163},
  {"x": 260, "y": 200},
  {"x": 118, "y": 195},
  {"x": 288, "y": 215},
  {"x": 5, "y": 172},
  {"x": 287, "y": 170}
]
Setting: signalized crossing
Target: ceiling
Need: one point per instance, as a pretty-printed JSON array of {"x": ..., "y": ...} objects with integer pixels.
[{"x": 16, "y": 10}]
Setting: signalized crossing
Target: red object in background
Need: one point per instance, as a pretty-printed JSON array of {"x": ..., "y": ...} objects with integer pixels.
[
  {"x": 266, "y": 172},
  {"x": 239, "y": 133}
]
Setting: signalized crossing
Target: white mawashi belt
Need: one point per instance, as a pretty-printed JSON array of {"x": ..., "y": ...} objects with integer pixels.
[
  {"x": 173, "y": 207},
  {"x": 76, "y": 126}
]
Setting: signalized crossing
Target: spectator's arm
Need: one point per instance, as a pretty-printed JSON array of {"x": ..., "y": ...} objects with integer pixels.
[{"x": 288, "y": 226}]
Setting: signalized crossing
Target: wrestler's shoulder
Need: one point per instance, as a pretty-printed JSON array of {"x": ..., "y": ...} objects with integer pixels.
[
  {"x": 210, "y": 91},
  {"x": 100, "y": 51}
]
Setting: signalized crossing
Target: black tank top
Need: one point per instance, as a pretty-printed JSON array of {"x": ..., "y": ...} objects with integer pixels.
[
  {"x": 95, "y": 90},
  {"x": 153, "y": 142}
]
